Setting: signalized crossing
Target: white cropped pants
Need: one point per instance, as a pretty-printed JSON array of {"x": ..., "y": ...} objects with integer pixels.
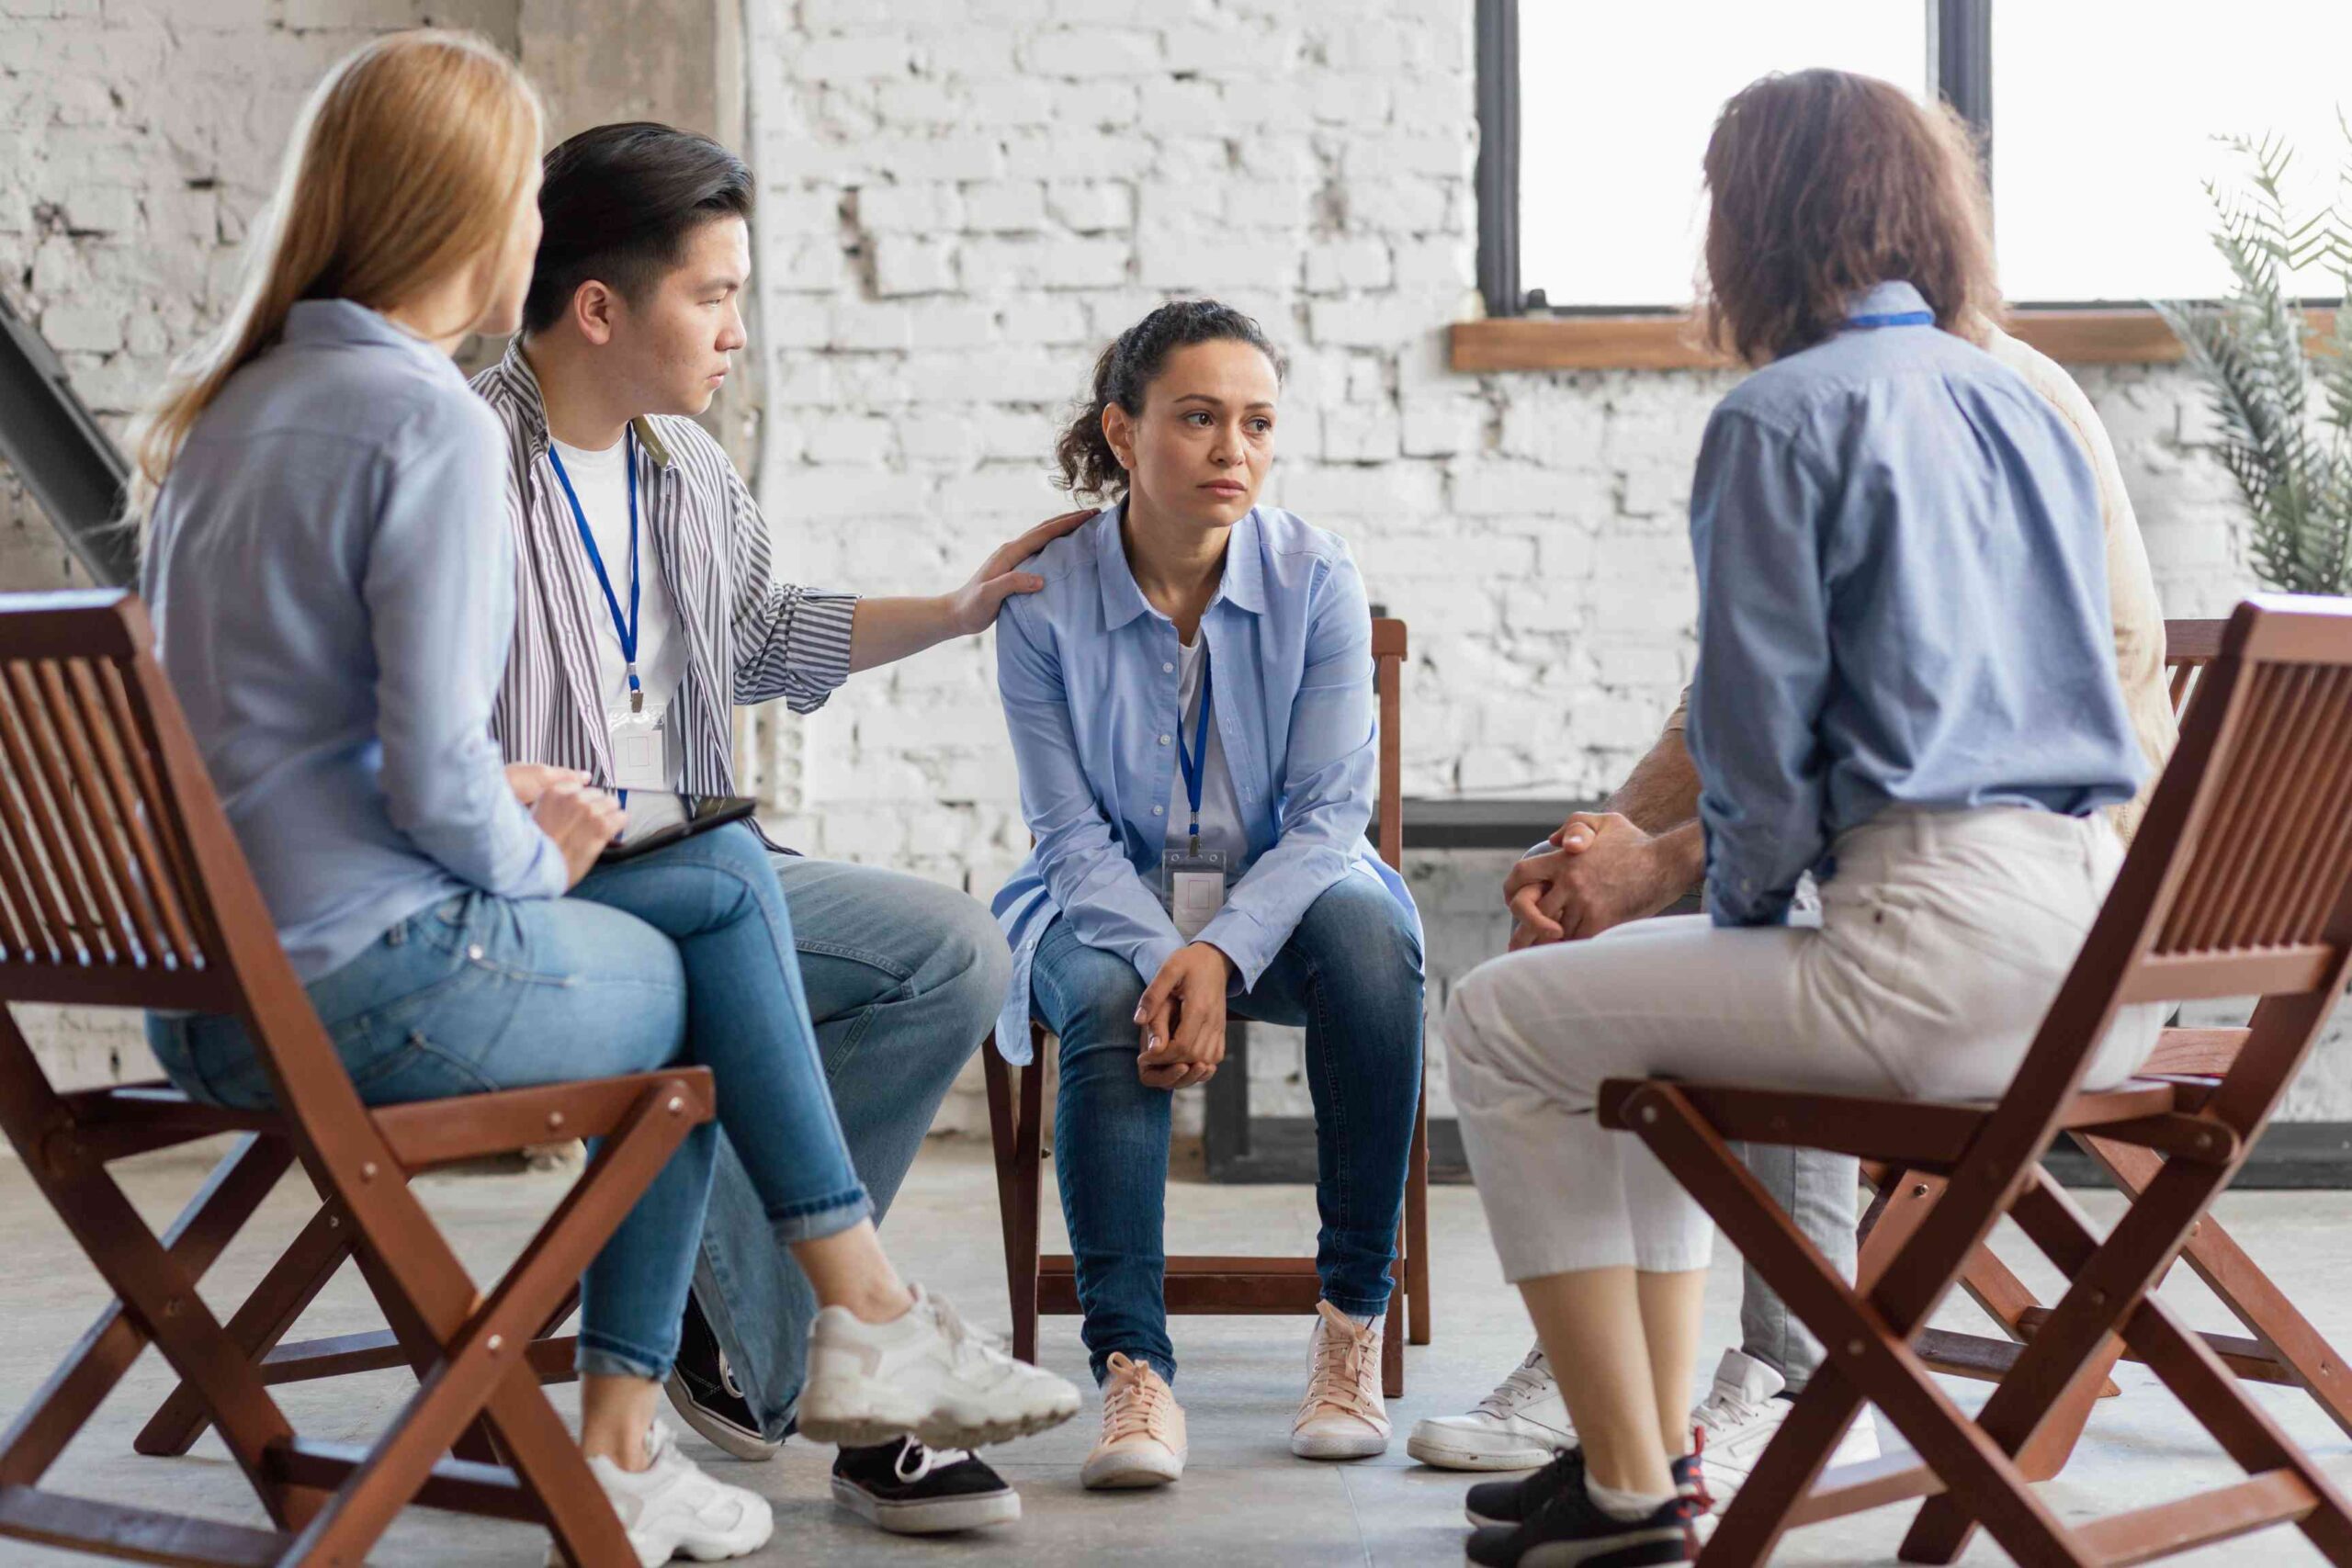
[{"x": 1943, "y": 939}]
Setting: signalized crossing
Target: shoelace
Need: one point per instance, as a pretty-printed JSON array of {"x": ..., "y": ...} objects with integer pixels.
[
  {"x": 1721, "y": 1412},
  {"x": 727, "y": 1377},
  {"x": 1133, "y": 1406},
  {"x": 1528, "y": 1382},
  {"x": 925, "y": 1461},
  {"x": 964, "y": 1341},
  {"x": 1343, "y": 1363}
]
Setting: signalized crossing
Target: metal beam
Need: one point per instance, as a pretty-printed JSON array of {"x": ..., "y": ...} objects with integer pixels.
[{"x": 76, "y": 474}]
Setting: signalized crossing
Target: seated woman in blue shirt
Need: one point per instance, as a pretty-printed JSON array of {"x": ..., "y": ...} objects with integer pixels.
[
  {"x": 332, "y": 578},
  {"x": 1905, "y": 687},
  {"x": 1191, "y": 703}
]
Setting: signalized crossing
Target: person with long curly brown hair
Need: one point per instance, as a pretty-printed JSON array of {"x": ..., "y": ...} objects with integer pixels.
[{"x": 1906, "y": 690}]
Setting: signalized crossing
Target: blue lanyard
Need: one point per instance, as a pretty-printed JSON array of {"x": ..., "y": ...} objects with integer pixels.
[
  {"x": 1195, "y": 761},
  {"x": 626, "y": 629},
  {"x": 1894, "y": 319}
]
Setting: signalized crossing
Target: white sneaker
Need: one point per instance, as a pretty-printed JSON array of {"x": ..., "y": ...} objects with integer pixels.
[
  {"x": 1519, "y": 1426},
  {"x": 925, "y": 1372},
  {"x": 671, "y": 1507},
  {"x": 1736, "y": 1420},
  {"x": 1342, "y": 1415}
]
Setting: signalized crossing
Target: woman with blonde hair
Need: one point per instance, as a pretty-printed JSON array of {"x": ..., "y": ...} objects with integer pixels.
[
  {"x": 1907, "y": 687},
  {"x": 332, "y": 579}
]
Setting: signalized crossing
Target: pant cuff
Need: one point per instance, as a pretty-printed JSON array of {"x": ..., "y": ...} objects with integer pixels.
[
  {"x": 598, "y": 1356},
  {"x": 816, "y": 1220},
  {"x": 1360, "y": 1306}
]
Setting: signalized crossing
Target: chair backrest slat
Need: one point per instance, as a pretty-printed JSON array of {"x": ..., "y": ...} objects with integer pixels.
[
  {"x": 128, "y": 922},
  {"x": 160, "y": 924},
  {"x": 81, "y": 867},
  {"x": 1388, "y": 649},
  {"x": 173, "y": 871},
  {"x": 39, "y": 838}
]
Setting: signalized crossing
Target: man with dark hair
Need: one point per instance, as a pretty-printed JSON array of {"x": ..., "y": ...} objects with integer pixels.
[{"x": 644, "y": 614}]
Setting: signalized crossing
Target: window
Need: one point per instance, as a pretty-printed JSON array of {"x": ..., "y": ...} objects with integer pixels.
[
  {"x": 1639, "y": 86},
  {"x": 2102, "y": 122},
  {"x": 2099, "y": 195}
]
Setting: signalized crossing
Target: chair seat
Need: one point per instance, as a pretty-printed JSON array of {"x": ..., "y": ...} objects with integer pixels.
[
  {"x": 424, "y": 1134},
  {"x": 2156, "y": 1112}
]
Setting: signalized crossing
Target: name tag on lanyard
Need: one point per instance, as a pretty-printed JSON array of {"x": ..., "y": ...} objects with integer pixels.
[
  {"x": 639, "y": 741},
  {"x": 1195, "y": 880}
]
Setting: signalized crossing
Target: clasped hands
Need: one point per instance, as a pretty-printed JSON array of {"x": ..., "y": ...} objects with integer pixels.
[
  {"x": 1601, "y": 871},
  {"x": 1182, "y": 1018}
]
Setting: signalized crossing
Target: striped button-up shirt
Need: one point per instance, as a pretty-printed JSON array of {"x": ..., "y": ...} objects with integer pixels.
[{"x": 748, "y": 639}]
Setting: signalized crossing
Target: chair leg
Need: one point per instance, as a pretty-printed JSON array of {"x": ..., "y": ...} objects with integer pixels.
[
  {"x": 2244, "y": 1288},
  {"x": 235, "y": 1188},
  {"x": 267, "y": 1314},
  {"x": 1392, "y": 1342},
  {"x": 1417, "y": 1229},
  {"x": 1868, "y": 1359},
  {"x": 1028, "y": 1174}
]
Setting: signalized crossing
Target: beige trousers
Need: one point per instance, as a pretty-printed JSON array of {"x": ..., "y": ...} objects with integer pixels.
[{"x": 1944, "y": 937}]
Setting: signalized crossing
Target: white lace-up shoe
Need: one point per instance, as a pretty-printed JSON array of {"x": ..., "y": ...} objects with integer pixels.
[
  {"x": 1142, "y": 1431},
  {"x": 671, "y": 1508},
  {"x": 925, "y": 1372},
  {"x": 1342, "y": 1415},
  {"x": 1736, "y": 1423},
  {"x": 1519, "y": 1426}
]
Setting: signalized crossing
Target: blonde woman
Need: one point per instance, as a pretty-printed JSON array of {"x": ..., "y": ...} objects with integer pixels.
[{"x": 330, "y": 574}]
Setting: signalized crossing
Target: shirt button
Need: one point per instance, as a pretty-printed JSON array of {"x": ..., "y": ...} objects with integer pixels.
[
  {"x": 1168, "y": 669},
  {"x": 1163, "y": 740},
  {"x": 474, "y": 952},
  {"x": 1159, "y": 811}
]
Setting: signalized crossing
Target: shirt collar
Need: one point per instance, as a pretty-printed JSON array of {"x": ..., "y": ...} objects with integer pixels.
[
  {"x": 1243, "y": 585},
  {"x": 1893, "y": 299},
  {"x": 348, "y": 322},
  {"x": 525, "y": 384}
]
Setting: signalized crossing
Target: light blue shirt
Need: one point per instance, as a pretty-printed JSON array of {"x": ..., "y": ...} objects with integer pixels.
[
  {"x": 331, "y": 573},
  {"x": 1089, "y": 672},
  {"x": 1902, "y": 601}
]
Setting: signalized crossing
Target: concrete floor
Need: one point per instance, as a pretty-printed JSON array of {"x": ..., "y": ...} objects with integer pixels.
[{"x": 1244, "y": 1501}]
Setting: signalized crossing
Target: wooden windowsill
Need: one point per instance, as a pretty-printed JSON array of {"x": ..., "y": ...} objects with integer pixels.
[{"x": 2125, "y": 335}]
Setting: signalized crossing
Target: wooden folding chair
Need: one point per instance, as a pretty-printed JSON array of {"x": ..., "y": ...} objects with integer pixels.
[
  {"x": 2239, "y": 883},
  {"x": 1221, "y": 1285},
  {"x": 2284, "y": 1346},
  {"x": 122, "y": 886}
]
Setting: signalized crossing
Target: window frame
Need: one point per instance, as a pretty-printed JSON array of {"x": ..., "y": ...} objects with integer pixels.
[{"x": 1661, "y": 337}]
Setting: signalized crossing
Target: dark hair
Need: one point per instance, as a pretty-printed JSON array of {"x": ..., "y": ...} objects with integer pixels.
[
  {"x": 1126, "y": 372},
  {"x": 618, "y": 203},
  {"x": 1824, "y": 184}
]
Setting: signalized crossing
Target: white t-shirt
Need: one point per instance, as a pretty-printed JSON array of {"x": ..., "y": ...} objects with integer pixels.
[
  {"x": 601, "y": 481},
  {"x": 1221, "y": 828}
]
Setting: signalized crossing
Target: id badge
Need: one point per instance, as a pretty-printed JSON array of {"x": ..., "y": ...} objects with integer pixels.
[
  {"x": 1195, "y": 884},
  {"x": 640, "y": 751}
]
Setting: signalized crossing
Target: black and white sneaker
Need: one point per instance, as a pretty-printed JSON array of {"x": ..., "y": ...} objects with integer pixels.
[
  {"x": 908, "y": 1489},
  {"x": 704, "y": 1392},
  {"x": 1572, "y": 1532},
  {"x": 1515, "y": 1502}
]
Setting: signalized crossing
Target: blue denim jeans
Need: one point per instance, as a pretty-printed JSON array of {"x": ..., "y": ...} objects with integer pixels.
[
  {"x": 480, "y": 993},
  {"x": 1351, "y": 975},
  {"x": 904, "y": 978}
]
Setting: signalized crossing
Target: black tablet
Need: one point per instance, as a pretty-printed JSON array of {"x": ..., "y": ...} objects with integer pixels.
[{"x": 656, "y": 817}]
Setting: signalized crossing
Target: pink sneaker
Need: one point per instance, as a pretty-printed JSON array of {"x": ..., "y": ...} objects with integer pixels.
[
  {"x": 1342, "y": 1415},
  {"x": 1142, "y": 1431}
]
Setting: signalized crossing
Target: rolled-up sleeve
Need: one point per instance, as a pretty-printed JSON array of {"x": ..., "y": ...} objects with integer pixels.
[
  {"x": 1326, "y": 786},
  {"x": 439, "y": 588},
  {"x": 790, "y": 642},
  {"x": 1764, "y": 666},
  {"x": 1085, "y": 867}
]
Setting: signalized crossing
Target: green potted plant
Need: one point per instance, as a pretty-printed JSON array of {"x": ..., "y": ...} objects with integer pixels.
[{"x": 2282, "y": 393}]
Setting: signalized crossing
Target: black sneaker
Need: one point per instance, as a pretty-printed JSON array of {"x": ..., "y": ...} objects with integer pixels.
[
  {"x": 1571, "y": 1528},
  {"x": 908, "y": 1489},
  {"x": 1512, "y": 1502},
  {"x": 704, "y": 1392}
]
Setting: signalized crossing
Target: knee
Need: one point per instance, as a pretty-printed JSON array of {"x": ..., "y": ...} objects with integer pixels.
[
  {"x": 974, "y": 963},
  {"x": 1359, "y": 933},
  {"x": 1467, "y": 1029},
  {"x": 1103, "y": 1022}
]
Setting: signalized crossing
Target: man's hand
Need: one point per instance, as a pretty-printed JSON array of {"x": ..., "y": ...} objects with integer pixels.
[
  {"x": 1182, "y": 1015},
  {"x": 531, "y": 780},
  {"x": 581, "y": 822},
  {"x": 973, "y": 606},
  {"x": 1603, "y": 872}
]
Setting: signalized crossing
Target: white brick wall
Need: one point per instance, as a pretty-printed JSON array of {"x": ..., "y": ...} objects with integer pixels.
[{"x": 964, "y": 198}]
